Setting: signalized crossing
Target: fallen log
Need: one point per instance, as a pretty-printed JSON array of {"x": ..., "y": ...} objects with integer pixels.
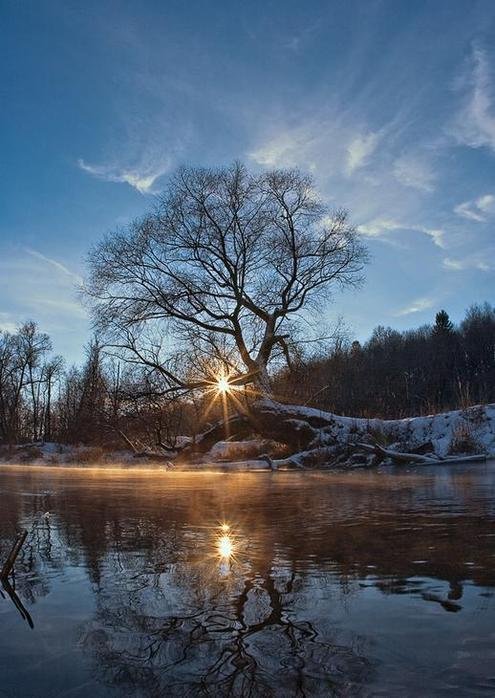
[
  {"x": 418, "y": 458},
  {"x": 16, "y": 548},
  {"x": 314, "y": 438}
]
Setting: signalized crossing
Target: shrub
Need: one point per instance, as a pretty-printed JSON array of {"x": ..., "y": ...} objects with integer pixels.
[{"x": 28, "y": 454}]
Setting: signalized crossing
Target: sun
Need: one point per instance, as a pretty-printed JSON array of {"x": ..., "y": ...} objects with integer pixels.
[{"x": 223, "y": 386}]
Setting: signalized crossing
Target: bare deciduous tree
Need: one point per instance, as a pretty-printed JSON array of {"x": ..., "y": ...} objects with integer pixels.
[{"x": 224, "y": 266}]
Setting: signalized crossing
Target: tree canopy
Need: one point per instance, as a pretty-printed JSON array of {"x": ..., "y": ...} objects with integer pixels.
[{"x": 220, "y": 273}]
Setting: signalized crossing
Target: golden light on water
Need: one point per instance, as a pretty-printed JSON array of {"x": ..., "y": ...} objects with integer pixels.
[
  {"x": 226, "y": 543},
  {"x": 225, "y": 547}
]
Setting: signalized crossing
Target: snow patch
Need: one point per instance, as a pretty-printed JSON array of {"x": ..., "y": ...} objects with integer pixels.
[{"x": 439, "y": 429}]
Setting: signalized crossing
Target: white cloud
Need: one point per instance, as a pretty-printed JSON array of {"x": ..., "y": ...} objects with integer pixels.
[
  {"x": 299, "y": 146},
  {"x": 416, "y": 306},
  {"x": 486, "y": 203},
  {"x": 436, "y": 234},
  {"x": 468, "y": 210},
  {"x": 60, "y": 305},
  {"x": 140, "y": 179},
  {"x": 413, "y": 171},
  {"x": 476, "y": 261},
  {"x": 379, "y": 227},
  {"x": 146, "y": 143},
  {"x": 475, "y": 124},
  {"x": 388, "y": 192},
  {"x": 325, "y": 145},
  {"x": 478, "y": 209},
  {"x": 359, "y": 151}
]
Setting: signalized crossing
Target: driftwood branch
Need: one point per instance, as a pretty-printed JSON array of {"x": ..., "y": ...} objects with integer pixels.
[
  {"x": 144, "y": 452},
  {"x": 399, "y": 457},
  {"x": 16, "y": 548}
]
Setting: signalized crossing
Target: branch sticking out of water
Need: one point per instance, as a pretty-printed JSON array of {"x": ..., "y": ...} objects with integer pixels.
[{"x": 16, "y": 549}]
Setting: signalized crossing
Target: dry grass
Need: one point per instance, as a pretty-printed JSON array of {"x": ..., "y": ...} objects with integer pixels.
[
  {"x": 464, "y": 441},
  {"x": 27, "y": 455},
  {"x": 86, "y": 456},
  {"x": 380, "y": 437}
]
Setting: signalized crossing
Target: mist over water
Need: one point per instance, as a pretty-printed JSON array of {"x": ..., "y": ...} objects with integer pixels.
[{"x": 147, "y": 583}]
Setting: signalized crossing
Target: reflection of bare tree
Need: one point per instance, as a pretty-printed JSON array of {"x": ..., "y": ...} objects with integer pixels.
[
  {"x": 240, "y": 636},
  {"x": 9, "y": 591}
]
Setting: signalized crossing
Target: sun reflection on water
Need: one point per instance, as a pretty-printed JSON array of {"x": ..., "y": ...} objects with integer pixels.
[
  {"x": 225, "y": 544},
  {"x": 225, "y": 547}
]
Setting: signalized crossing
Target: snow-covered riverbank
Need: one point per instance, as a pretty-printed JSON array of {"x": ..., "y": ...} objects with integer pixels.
[{"x": 453, "y": 433}]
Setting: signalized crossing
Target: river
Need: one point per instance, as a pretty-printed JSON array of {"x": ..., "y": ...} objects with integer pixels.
[{"x": 154, "y": 583}]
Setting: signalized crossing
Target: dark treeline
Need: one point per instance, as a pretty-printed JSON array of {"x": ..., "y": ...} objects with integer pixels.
[
  {"x": 398, "y": 374},
  {"x": 104, "y": 402},
  {"x": 110, "y": 403}
]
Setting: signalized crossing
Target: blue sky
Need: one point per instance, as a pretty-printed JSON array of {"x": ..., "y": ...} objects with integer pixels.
[{"x": 390, "y": 104}]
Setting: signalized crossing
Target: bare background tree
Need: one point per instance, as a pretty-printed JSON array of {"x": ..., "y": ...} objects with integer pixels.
[{"x": 27, "y": 380}]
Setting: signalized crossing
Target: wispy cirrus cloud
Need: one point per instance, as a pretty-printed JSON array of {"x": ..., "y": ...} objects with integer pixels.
[
  {"x": 142, "y": 180},
  {"x": 365, "y": 169},
  {"x": 321, "y": 142},
  {"x": 359, "y": 151},
  {"x": 486, "y": 203},
  {"x": 416, "y": 306},
  {"x": 380, "y": 227},
  {"x": 477, "y": 261},
  {"x": 38, "y": 286},
  {"x": 416, "y": 172},
  {"x": 477, "y": 209},
  {"x": 296, "y": 146},
  {"x": 474, "y": 126},
  {"x": 55, "y": 264},
  {"x": 146, "y": 145}
]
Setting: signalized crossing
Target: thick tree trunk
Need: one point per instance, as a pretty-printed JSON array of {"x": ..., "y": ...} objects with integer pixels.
[{"x": 294, "y": 426}]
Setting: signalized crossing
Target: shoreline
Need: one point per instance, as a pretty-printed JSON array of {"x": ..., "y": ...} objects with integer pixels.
[{"x": 227, "y": 468}]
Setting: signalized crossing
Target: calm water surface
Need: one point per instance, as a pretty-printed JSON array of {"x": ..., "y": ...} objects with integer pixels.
[{"x": 372, "y": 584}]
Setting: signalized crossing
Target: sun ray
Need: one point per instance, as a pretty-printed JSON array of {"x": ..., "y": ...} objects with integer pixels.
[{"x": 225, "y": 387}]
